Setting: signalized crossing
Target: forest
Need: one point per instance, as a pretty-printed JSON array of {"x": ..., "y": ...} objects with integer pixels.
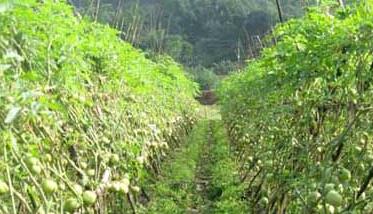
[
  {"x": 209, "y": 37},
  {"x": 102, "y": 107}
]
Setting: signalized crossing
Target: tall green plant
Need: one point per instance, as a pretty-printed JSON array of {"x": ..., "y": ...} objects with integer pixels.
[
  {"x": 83, "y": 115},
  {"x": 299, "y": 116}
]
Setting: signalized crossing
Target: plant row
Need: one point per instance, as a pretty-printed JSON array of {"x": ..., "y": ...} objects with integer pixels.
[
  {"x": 300, "y": 116},
  {"x": 83, "y": 115}
]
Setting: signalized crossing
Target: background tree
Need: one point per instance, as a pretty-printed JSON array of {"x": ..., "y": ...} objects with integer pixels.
[{"x": 194, "y": 32}]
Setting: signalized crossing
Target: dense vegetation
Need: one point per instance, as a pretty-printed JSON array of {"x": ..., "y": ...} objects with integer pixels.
[
  {"x": 217, "y": 35},
  {"x": 194, "y": 32},
  {"x": 299, "y": 117},
  {"x": 90, "y": 124},
  {"x": 83, "y": 115}
]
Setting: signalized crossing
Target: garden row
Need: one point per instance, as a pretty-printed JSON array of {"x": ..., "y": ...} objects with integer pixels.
[
  {"x": 200, "y": 178},
  {"x": 300, "y": 116},
  {"x": 83, "y": 115}
]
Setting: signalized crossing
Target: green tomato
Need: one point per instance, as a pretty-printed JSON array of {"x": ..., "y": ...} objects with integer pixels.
[
  {"x": 77, "y": 189},
  {"x": 126, "y": 181},
  {"x": 330, "y": 208},
  {"x": 48, "y": 158},
  {"x": 344, "y": 175},
  {"x": 91, "y": 172},
  {"x": 114, "y": 158},
  {"x": 358, "y": 149},
  {"x": 31, "y": 161},
  {"x": 114, "y": 186},
  {"x": 334, "y": 198},
  {"x": 83, "y": 165},
  {"x": 3, "y": 187},
  {"x": 62, "y": 186},
  {"x": 35, "y": 169},
  {"x": 49, "y": 186},
  {"x": 319, "y": 149},
  {"x": 71, "y": 204},
  {"x": 89, "y": 197},
  {"x": 329, "y": 187},
  {"x": 136, "y": 188},
  {"x": 119, "y": 186},
  {"x": 313, "y": 197},
  {"x": 85, "y": 180},
  {"x": 264, "y": 201},
  {"x": 370, "y": 157},
  {"x": 362, "y": 166},
  {"x": 123, "y": 187}
]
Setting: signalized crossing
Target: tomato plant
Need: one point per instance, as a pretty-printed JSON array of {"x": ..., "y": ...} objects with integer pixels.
[
  {"x": 81, "y": 111},
  {"x": 299, "y": 116}
]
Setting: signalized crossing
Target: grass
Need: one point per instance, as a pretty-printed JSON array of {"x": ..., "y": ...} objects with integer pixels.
[
  {"x": 174, "y": 192},
  {"x": 206, "y": 158}
]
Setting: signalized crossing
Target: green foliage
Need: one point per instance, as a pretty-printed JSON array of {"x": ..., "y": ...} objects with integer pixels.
[
  {"x": 205, "y": 159},
  {"x": 194, "y": 32},
  {"x": 298, "y": 117},
  {"x": 82, "y": 108},
  {"x": 173, "y": 193},
  {"x": 225, "y": 175},
  {"x": 206, "y": 78},
  {"x": 225, "y": 67}
]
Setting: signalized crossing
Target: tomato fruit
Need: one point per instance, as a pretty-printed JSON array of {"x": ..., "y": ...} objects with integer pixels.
[
  {"x": 344, "y": 175},
  {"x": 49, "y": 186},
  {"x": 334, "y": 198},
  {"x": 71, "y": 204},
  {"x": 89, "y": 197},
  {"x": 3, "y": 187}
]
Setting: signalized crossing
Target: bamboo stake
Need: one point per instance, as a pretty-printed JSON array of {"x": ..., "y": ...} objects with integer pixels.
[{"x": 279, "y": 9}]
